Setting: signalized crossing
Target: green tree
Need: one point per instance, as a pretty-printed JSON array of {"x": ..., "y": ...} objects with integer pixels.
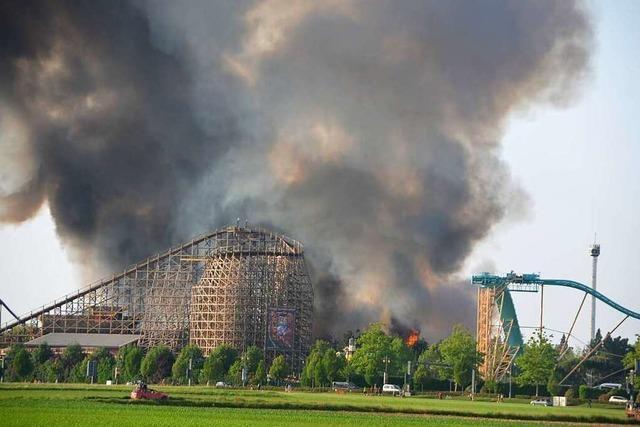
[
  {"x": 20, "y": 363},
  {"x": 401, "y": 354},
  {"x": 607, "y": 361},
  {"x": 332, "y": 364},
  {"x": 566, "y": 363},
  {"x": 261, "y": 373},
  {"x": 434, "y": 364},
  {"x": 491, "y": 386},
  {"x": 181, "y": 365},
  {"x": 553, "y": 386},
  {"x": 251, "y": 357},
  {"x": 105, "y": 364},
  {"x": 227, "y": 355},
  {"x": 630, "y": 360},
  {"x": 41, "y": 358},
  {"x": 420, "y": 376},
  {"x": 235, "y": 373},
  {"x": 537, "y": 362},
  {"x": 42, "y": 353},
  {"x": 374, "y": 345},
  {"x": 278, "y": 369},
  {"x": 459, "y": 351},
  {"x": 213, "y": 369},
  {"x": 70, "y": 362},
  {"x": 346, "y": 371},
  {"x": 128, "y": 361},
  {"x": 157, "y": 364},
  {"x": 50, "y": 371},
  {"x": 217, "y": 365},
  {"x": 314, "y": 373}
]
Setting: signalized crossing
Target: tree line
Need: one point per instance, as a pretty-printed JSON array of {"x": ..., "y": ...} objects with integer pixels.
[
  {"x": 130, "y": 363},
  {"x": 450, "y": 360}
]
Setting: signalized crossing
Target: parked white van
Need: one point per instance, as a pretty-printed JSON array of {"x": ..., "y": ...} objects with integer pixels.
[{"x": 391, "y": 388}]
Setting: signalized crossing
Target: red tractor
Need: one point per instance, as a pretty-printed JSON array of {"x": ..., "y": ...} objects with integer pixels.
[
  {"x": 633, "y": 410},
  {"x": 143, "y": 392}
]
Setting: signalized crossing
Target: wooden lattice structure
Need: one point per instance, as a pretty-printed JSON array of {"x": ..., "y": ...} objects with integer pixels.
[
  {"x": 218, "y": 288},
  {"x": 248, "y": 280},
  {"x": 498, "y": 334}
]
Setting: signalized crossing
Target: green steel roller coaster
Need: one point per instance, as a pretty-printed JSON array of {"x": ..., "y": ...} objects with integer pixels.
[{"x": 500, "y": 287}]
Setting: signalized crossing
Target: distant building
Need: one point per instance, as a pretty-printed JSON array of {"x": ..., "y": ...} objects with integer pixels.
[{"x": 349, "y": 349}]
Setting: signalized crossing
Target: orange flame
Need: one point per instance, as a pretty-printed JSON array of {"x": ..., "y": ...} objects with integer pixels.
[{"x": 412, "y": 339}]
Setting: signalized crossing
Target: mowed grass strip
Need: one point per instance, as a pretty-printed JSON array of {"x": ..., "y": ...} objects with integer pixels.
[
  {"x": 201, "y": 398},
  {"x": 61, "y": 412}
]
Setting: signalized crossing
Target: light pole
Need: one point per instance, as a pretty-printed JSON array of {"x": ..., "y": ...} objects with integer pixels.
[
  {"x": 189, "y": 370},
  {"x": 386, "y": 365},
  {"x": 473, "y": 382},
  {"x": 407, "y": 378},
  {"x": 510, "y": 377}
]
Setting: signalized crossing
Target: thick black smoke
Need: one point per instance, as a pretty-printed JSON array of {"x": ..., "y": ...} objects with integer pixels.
[
  {"x": 369, "y": 130},
  {"x": 104, "y": 122}
]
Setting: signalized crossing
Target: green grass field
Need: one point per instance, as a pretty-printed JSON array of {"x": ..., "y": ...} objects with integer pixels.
[{"x": 53, "y": 405}]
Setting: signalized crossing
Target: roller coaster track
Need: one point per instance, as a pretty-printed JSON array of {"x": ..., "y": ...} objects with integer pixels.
[
  {"x": 498, "y": 334},
  {"x": 523, "y": 283},
  {"x": 151, "y": 298}
]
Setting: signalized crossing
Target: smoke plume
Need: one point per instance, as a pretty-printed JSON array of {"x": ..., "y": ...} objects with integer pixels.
[{"x": 369, "y": 130}]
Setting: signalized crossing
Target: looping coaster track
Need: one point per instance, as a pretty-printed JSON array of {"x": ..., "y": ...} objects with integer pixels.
[{"x": 498, "y": 331}]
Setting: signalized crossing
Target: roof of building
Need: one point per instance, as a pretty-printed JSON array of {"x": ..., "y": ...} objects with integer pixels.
[{"x": 57, "y": 339}]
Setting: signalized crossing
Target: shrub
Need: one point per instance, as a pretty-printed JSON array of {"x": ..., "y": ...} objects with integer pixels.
[
  {"x": 156, "y": 365},
  {"x": 20, "y": 363},
  {"x": 70, "y": 362},
  {"x": 180, "y": 369},
  {"x": 585, "y": 392},
  {"x": 128, "y": 360},
  {"x": 234, "y": 375},
  {"x": 278, "y": 370},
  {"x": 572, "y": 402},
  {"x": 570, "y": 393},
  {"x": 212, "y": 370},
  {"x": 260, "y": 376},
  {"x": 490, "y": 386}
]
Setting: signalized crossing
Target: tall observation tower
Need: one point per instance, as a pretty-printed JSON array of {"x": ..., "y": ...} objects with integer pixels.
[{"x": 594, "y": 251}]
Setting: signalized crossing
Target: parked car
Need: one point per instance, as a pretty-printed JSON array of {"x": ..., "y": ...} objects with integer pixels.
[
  {"x": 221, "y": 384},
  {"x": 541, "y": 402},
  {"x": 343, "y": 386},
  {"x": 391, "y": 388},
  {"x": 618, "y": 399}
]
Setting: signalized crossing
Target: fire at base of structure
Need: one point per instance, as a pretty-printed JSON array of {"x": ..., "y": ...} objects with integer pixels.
[{"x": 236, "y": 286}]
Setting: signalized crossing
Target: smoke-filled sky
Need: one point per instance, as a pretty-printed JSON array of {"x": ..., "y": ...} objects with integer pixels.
[{"x": 371, "y": 131}]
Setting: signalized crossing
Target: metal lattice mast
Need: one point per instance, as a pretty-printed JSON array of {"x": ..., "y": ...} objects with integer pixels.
[{"x": 594, "y": 252}]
